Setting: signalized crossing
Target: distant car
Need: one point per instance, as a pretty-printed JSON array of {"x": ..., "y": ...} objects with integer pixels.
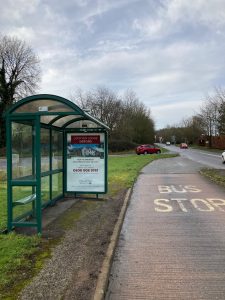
[
  {"x": 183, "y": 146},
  {"x": 223, "y": 157},
  {"x": 147, "y": 149},
  {"x": 168, "y": 143}
]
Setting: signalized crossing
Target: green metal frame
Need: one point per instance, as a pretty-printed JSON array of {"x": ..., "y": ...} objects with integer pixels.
[
  {"x": 34, "y": 120},
  {"x": 45, "y": 97}
]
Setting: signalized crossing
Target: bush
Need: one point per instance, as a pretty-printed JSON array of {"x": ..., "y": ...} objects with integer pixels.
[
  {"x": 121, "y": 145},
  {"x": 3, "y": 152}
]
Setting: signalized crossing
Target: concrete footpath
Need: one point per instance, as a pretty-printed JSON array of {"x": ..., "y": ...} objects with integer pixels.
[{"x": 172, "y": 243}]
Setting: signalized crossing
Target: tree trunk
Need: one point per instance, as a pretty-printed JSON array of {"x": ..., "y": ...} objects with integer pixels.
[{"x": 2, "y": 131}]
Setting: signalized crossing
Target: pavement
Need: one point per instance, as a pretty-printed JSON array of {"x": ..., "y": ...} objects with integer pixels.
[{"x": 172, "y": 242}]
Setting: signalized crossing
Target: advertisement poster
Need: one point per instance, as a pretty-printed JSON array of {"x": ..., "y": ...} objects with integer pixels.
[{"x": 85, "y": 162}]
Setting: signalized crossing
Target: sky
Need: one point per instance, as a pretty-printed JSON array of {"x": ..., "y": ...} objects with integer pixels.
[{"x": 171, "y": 53}]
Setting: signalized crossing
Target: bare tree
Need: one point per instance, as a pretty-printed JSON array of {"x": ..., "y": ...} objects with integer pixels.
[
  {"x": 192, "y": 128},
  {"x": 210, "y": 121},
  {"x": 209, "y": 113},
  {"x": 102, "y": 103},
  {"x": 136, "y": 123},
  {"x": 129, "y": 120},
  {"x": 220, "y": 104},
  {"x": 19, "y": 74}
]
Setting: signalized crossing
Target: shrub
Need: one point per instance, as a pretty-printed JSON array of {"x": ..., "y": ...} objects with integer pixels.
[{"x": 121, "y": 145}]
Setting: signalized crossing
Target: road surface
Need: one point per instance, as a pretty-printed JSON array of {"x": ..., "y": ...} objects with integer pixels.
[
  {"x": 172, "y": 243},
  {"x": 209, "y": 159}
]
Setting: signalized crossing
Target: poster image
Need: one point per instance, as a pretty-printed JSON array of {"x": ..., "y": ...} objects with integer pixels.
[{"x": 85, "y": 162}]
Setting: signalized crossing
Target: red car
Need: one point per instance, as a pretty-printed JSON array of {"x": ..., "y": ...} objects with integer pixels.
[
  {"x": 183, "y": 146},
  {"x": 147, "y": 149}
]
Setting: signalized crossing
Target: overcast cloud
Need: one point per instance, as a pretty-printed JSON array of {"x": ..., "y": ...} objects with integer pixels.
[{"x": 170, "y": 52}]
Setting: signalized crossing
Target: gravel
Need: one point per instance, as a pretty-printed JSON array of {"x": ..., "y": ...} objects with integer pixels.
[{"x": 84, "y": 231}]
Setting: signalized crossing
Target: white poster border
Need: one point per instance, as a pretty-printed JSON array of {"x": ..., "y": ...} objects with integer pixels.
[{"x": 86, "y": 163}]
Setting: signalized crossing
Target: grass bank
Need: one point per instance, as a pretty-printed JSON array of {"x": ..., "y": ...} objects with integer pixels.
[
  {"x": 20, "y": 255},
  {"x": 215, "y": 175},
  {"x": 123, "y": 170},
  {"x": 3, "y": 204},
  {"x": 15, "y": 261},
  {"x": 207, "y": 149}
]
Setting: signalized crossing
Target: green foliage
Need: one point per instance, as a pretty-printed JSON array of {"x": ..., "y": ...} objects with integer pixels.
[
  {"x": 14, "y": 253},
  {"x": 188, "y": 131},
  {"x": 135, "y": 124},
  {"x": 3, "y": 204},
  {"x": 221, "y": 118},
  {"x": 124, "y": 170},
  {"x": 17, "y": 253},
  {"x": 19, "y": 75},
  {"x": 217, "y": 176},
  {"x": 121, "y": 145}
]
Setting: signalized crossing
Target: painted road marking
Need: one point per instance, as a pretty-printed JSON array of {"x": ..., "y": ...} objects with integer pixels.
[
  {"x": 196, "y": 204},
  {"x": 185, "y": 204},
  {"x": 180, "y": 203},
  {"x": 166, "y": 207},
  {"x": 210, "y": 154},
  {"x": 204, "y": 205},
  {"x": 163, "y": 189}
]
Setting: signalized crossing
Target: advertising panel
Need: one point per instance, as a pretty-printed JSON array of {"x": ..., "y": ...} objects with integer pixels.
[{"x": 86, "y": 162}]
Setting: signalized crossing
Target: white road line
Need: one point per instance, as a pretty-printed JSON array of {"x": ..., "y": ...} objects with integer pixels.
[{"x": 210, "y": 154}]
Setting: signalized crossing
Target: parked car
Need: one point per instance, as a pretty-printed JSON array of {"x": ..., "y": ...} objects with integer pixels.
[
  {"x": 223, "y": 157},
  {"x": 183, "y": 146},
  {"x": 147, "y": 149},
  {"x": 167, "y": 143}
]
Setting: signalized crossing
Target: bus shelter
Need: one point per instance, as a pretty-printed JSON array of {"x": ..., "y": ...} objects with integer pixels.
[{"x": 53, "y": 148}]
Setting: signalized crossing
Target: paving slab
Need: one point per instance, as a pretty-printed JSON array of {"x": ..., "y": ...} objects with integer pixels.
[{"x": 172, "y": 243}]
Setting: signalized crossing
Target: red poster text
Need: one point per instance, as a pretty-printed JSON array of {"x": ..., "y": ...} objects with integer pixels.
[{"x": 85, "y": 139}]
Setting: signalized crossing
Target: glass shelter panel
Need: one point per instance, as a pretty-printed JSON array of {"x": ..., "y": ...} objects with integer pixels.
[
  {"x": 57, "y": 150},
  {"x": 47, "y": 119},
  {"x": 45, "y": 190},
  {"x": 57, "y": 185},
  {"x": 43, "y": 105},
  {"x": 45, "y": 150},
  {"x": 60, "y": 122},
  {"x": 23, "y": 162},
  {"x": 82, "y": 124},
  {"x": 21, "y": 193}
]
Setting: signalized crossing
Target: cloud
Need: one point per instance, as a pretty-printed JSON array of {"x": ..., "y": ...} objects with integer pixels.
[
  {"x": 22, "y": 33},
  {"x": 174, "y": 15},
  {"x": 157, "y": 75},
  {"x": 17, "y": 9},
  {"x": 167, "y": 114},
  {"x": 169, "y": 52},
  {"x": 208, "y": 13}
]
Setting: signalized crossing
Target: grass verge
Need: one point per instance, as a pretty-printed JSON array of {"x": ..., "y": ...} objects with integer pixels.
[
  {"x": 215, "y": 175},
  {"x": 22, "y": 256},
  {"x": 15, "y": 260},
  {"x": 123, "y": 170},
  {"x": 3, "y": 204},
  {"x": 207, "y": 149}
]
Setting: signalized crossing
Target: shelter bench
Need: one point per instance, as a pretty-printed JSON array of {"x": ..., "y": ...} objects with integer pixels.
[{"x": 25, "y": 200}]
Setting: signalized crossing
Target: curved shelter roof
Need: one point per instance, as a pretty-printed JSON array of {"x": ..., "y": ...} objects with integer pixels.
[{"x": 55, "y": 111}]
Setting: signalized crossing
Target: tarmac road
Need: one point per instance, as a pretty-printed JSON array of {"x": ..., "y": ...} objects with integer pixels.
[
  {"x": 172, "y": 244},
  {"x": 209, "y": 159}
]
